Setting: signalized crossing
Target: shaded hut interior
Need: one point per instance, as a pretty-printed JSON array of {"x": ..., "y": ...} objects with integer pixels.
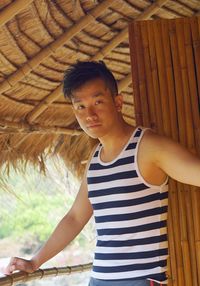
[{"x": 40, "y": 39}]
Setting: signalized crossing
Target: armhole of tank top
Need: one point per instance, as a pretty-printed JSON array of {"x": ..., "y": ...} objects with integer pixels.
[
  {"x": 136, "y": 162},
  {"x": 95, "y": 149}
]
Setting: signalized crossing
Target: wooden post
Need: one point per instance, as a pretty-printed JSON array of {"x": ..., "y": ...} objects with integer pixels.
[{"x": 165, "y": 57}]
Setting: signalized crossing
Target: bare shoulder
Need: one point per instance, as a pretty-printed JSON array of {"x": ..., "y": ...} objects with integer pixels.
[
  {"x": 152, "y": 137},
  {"x": 155, "y": 141},
  {"x": 155, "y": 146},
  {"x": 151, "y": 140}
]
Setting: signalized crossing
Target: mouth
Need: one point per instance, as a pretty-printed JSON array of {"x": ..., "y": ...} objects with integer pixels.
[{"x": 93, "y": 126}]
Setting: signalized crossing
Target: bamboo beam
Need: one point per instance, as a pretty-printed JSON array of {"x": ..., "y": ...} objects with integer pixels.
[
  {"x": 44, "y": 104},
  {"x": 13, "y": 9},
  {"x": 52, "y": 47},
  {"x": 19, "y": 127},
  {"x": 151, "y": 10},
  {"x": 33, "y": 102},
  {"x": 125, "y": 82},
  {"x": 20, "y": 277},
  {"x": 99, "y": 56}
]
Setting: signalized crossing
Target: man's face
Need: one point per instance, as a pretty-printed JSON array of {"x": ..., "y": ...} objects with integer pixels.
[{"x": 95, "y": 108}]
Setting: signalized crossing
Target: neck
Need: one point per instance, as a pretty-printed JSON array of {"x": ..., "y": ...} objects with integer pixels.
[{"x": 117, "y": 137}]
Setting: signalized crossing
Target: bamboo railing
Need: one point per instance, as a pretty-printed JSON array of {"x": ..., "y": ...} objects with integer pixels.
[
  {"x": 165, "y": 57},
  {"x": 19, "y": 277}
]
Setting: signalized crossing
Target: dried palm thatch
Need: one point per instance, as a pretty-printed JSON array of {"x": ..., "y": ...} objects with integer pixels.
[{"x": 39, "y": 39}]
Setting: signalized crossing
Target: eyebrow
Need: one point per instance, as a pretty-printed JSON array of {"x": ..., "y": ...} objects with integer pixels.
[{"x": 98, "y": 94}]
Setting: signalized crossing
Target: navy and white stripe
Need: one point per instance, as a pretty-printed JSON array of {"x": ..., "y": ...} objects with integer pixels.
[{"x": 130, "y": 217}]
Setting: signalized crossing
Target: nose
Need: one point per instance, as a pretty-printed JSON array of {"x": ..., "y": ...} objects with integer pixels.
[{"x": 91, "y": 115}]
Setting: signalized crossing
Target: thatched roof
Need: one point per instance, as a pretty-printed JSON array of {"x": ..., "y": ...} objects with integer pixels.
[{"x": 38, "y": 40}]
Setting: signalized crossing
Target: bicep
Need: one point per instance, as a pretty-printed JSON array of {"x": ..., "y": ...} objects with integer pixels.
[
  {"x": 178, "y": 162},
  {"x": 82, "y": 210}
]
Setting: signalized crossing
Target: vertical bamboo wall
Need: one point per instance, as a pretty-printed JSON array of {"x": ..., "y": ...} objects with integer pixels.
[{"x": 165, "y": 57}]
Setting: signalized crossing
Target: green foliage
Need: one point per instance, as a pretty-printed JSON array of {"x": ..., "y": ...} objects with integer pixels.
[
  {"x": 33, "y": 205},
  {"x": 33, "y": 215}
]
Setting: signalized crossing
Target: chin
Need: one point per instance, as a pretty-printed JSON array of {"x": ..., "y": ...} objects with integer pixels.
[{"x": 94, "y": 134}]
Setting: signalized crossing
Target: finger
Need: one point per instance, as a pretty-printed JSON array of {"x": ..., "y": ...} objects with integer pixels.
[
  {"x": 8, "y": 270},
  {"x": 10, "y": 267},
  {"x": 23, "y": 265}
]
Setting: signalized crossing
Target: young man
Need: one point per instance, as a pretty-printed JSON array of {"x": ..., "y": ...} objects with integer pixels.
[{"x": 125, "y": 186}]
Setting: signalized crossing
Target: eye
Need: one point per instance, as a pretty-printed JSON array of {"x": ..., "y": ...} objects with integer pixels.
[
  {"x": 80, "y": 107},
  {"x": 98, "y": 102}
]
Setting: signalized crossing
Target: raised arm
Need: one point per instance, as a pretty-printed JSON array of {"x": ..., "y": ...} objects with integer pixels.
[
  {"x": 67, "y": 229},
  {"x": 175, "y": 160}
]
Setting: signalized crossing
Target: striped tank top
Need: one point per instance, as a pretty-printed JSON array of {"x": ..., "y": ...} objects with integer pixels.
[{"x": 130, "y": 218}]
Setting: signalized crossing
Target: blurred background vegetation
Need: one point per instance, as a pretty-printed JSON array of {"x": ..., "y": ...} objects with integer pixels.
[{"x": 31, "y": 205}]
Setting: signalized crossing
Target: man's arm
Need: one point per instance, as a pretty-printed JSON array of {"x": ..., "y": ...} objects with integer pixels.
[
  {"x": 175, "y": 160},
  {"x": 67, "y": 229}
]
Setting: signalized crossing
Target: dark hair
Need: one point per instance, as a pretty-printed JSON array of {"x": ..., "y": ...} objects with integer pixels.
[{"x": 81, "y": 72}]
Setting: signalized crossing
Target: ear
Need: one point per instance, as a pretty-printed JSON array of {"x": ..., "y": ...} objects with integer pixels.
[{"x": 118, "y": 102}]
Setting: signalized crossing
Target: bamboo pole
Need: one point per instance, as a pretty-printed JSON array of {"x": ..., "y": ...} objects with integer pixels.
[
  {"x": 137, "y": 100},
  {"x": 185, "y": 82},
  {"x": 164, "y": 64},
  {"x": 172, "y": 224},
  {"x": 150, "y": 97},
  {"x": 196, "y": 214},
  {"x": 19, "y": 127},
  {"x": 177, "y": 81},
  {"x": 175, "y": 45},
  {"x": 154, "y": 76},
  {"x": 192, "y": 63},
  {"x": 52, "y": 47},
  {"x": 195, "y": 88},
  {"x": 19, "y": 277},
  {"x": 163, "y": 87},
  {"x": 178, "y": 274},
  {"x": 13, "y": 9},
  {"x": 177, "y": 56},
  {"x": 142, "y": 76},
  {"x": 134, "y": 68},
  {"x": 192, "y": 104},
  {"x": 169, "y": 80},
  {"x": 99, "y": 56}
]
